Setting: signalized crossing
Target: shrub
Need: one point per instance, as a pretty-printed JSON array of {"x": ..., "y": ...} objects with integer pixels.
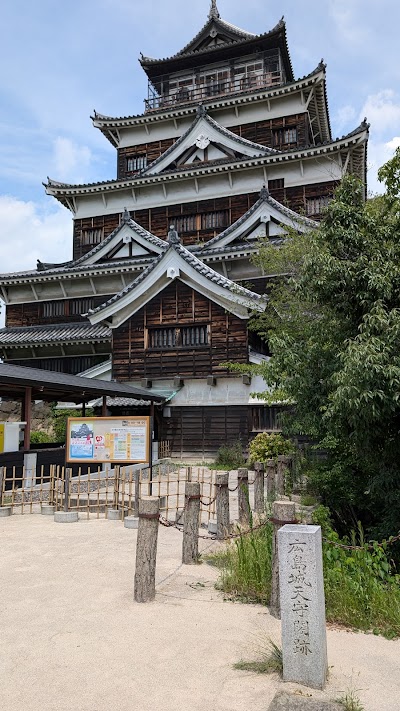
[
  {"x": 60, "y": 421},
  {"x": 230, "y": 456},
  {"x": 38, "y": 436},
  {"x": 268, "y": 446}
]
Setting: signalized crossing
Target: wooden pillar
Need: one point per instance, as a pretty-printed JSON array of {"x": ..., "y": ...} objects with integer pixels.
[
  {"x": 83, "y": 408},
  {"x": 243, "y": 496},
  {"x": 146, "y": 549},
  {"x": 190, "y": 544},
  {"x": 27, "y": 416},
  {"x": 259, "y": 503},
  {"x": 104, "y": 406},
  {"x": 222, "y": 504}
]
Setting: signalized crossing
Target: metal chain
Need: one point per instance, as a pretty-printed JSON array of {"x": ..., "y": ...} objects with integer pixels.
[{"x": 391, "y": 540}]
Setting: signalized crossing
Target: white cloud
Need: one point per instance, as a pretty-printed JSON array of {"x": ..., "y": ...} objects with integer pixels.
[
  {"x": 30, "y": 231},
  {"x": 382, "y": 110},
  {"x": 348, "y": 17},
  {"x": 70, "y": 160},
  {"x": 344, "y": 119},
  {"x": 379, "y": 152}
]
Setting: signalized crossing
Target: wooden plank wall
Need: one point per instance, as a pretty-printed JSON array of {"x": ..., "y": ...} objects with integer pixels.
[
  {"x": 158, "y": 219},
  {"x": 30, "y": 314},
  {"x": 258, "y": 132},
  {"x": 200, "y": 431},
  {"x": 178, "y": 305}
]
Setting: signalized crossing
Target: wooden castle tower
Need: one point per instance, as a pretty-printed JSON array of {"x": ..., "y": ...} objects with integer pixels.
[{"x": 161, "y": 284}]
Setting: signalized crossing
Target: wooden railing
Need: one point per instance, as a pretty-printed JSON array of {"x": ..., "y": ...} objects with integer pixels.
[{"x": 198, "y": 94}]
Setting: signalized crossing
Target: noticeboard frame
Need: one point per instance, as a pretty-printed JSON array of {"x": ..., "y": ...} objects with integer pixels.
[{"x": 129, "y": 419}]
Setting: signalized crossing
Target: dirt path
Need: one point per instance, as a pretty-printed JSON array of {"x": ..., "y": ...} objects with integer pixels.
[{"x": 72, "y": 638}]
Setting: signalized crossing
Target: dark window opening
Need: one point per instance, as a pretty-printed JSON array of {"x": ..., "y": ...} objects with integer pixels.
[
  {"x": 206, "y": 221},
  {"x": 266, "y": 418},
  {"x": 178, "y": 337},
  {"x": 276, "y": 184},
  {"x": 281, "y": 136}
]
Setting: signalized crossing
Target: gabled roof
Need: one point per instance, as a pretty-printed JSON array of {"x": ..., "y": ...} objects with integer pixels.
[
  {"x": 145, "y": 245},
  {"x": 67, "y": 333},
  {"x": 265, "y": 210},
  {"x": 218, "y": 40},
  {"x": 176, "y": 262},
  {"x": 205, "y": 134}
]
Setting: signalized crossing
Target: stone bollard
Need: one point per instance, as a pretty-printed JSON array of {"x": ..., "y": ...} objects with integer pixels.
[
  {"x": 5, "y": 511},
  {"x": 30, "y": 464},
  {"x": 271, "y": 475},
  {"x": 146, "y": 549},
  {"x": 259, "y": 503},
  {"x": 302, "y": 600},
  {"x": 283, "y": 512},
  {"x": 190, "y": 543},
  {"x": 222, "y": 504},
  {"x": 243, "y": 497},
  {"x": 282, "y": 471}
]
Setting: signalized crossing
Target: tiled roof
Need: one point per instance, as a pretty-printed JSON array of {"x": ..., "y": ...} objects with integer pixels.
[
  {"x": 121, "y": 402},
  {"x": 59, "y": 333},
  {"x": 242, "y": 37},
  {"x": 203, "y": 116},
  {"x": 194, "y": 262},
  {"x": 264, "y": 197},
  {"x": 270, "y": 153},
  {"x": 126, "y": 220},
  {"x": 185, "y": 108}
]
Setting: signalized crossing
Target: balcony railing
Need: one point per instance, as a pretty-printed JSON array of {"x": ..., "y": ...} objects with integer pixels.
[{"x": 203, "y": 92}]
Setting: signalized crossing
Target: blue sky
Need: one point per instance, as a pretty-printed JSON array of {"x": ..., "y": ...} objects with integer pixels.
[{"x": 62, "y": 60}]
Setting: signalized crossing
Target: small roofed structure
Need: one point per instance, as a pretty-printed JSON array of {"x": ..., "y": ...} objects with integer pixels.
[{"x": 29, "y": 384}]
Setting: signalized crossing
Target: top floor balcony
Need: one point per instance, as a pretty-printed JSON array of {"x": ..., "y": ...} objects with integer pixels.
[{"x": 170, "y": 91}]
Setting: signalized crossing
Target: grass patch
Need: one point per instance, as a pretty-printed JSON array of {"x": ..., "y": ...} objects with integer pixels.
[
  {"x": 246, "y": 566},
  {"x": 270, "y": 662},
  {"x": 350, "y": 702},
  {"x": 362, "y": 590}
]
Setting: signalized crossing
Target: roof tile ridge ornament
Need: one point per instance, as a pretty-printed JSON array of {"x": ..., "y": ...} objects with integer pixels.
[
  {"x": 214, "y": 12},
  {"x": 173, "y": 237},
  {"x": 321, "y": 66},
  {"x": 264, "y": 193},
  {"x": 126, "y": 216},
  {"x": 201, "y": 111}
]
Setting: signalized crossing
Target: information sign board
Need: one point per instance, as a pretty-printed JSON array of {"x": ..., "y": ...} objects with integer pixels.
[{"x": 108, "y": 439}]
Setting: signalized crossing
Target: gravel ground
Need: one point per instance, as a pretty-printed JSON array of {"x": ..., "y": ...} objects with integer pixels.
[{"x": 73, "y": 639}]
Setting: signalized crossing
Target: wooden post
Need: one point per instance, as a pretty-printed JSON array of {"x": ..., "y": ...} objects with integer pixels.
[
  {"x": 104, "y": 406},
  {"x": 190, "y": 544},
  {"x": 282, "y": 472},
  {"x": 243, "y": 496},
  {"x": 271, "y": 472},
  {"x": 222, "y": 504},
  {"x": 68, "y": 474},
  {"x": 283, "y": 512},
  {"x": 136, "y": 475},
  {"x": 2, "y": 483},
  {"x": 83, "y": 408},
  {"x": 259, "y": 503},
  {"x": 146, "y": 549},
  {"x": 27, "y": 416}
]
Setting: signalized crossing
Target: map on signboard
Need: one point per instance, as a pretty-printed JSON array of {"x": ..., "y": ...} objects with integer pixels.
[{"x": 108, "y": 439}]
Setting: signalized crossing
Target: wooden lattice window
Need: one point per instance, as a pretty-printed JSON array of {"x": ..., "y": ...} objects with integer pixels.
[
  {"x": 178, "y": 337},
  {"x": 276, "y": 184},
  {"x": 53, "y": 308},
  {"x": 80, "y": 306},
  {"x": 206, "y": 221},
  {"x": 138, "y": 162},
  {"x": 316, "y": 205},
  {"x": 281, "y": 136},
  {"x": 91, "y": 237}
]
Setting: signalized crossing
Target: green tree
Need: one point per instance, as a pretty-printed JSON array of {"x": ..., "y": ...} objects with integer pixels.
[{"x": 333, "y": 324}]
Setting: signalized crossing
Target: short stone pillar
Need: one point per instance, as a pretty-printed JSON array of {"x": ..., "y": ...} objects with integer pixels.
[
  {"x": 283, "y": 512},
  {"x": 282, "y": 471},
  {"x": 5, "y": 511},
  {"x": 259, "y": 503},
  {"x": 302, "y": 599},
  {"x": 30, "y": 463},
  {"x": 270, "y": 467},
  {"x": 222, "y": 504},
  {"x": 243, "y": 496},
  {"x": 190, "y": 543},
  {"x": 47, "y": 509},
  {"x": 66, "y": 516},
  {"x": 131, "y": 522},
  {"x": 146, "y": 549}
]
